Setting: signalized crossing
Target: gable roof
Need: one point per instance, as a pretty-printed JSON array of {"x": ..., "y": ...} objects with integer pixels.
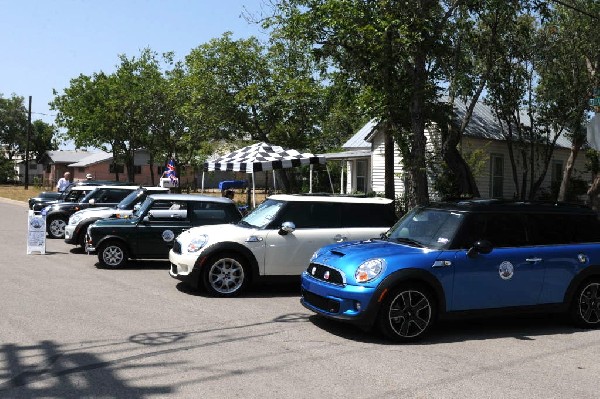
[
  {"x": 65, "y": 156},
  {"x": 92, "y": 159},
  {"x": 483, "y": 124}
]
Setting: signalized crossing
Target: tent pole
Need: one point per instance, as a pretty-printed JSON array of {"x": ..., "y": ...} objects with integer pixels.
[
  {"x": 202, "y": 190},
  {"x": 274, "y": 182},
  {"x": 330, "y": 182},
  {"x": 310, "y": 180},
  {"x": 253, "y": 191}
]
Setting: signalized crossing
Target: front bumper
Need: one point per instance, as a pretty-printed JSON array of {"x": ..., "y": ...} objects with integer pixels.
[
  {"x": 183, "y": 268},
  {"x": 355, "y": 304},
  {"x": 70, "y": 234}
]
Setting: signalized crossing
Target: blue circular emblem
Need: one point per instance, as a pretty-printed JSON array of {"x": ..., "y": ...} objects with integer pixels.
[
  {"x": 506, "y": 270},
  {"x": 168, "y": 235}
]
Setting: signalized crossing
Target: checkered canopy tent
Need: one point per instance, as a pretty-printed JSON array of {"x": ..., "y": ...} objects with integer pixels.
[{"x": 261, "y": 157}]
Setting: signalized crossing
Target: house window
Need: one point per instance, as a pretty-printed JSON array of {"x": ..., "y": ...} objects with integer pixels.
[
  {"x": 137, "y": 169},
  {"x": 556, "y": 173},
  {"x": 361, "y": 176},
  {"x": 159, "y": 170},
  {"x": 48, "y": 168},
  {"x": 81, "y": 170},
  {"x": 497, "y": 176},
  {"x": 116, "y": 168}
]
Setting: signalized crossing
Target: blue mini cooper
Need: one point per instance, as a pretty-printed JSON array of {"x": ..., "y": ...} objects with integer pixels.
[{"x": 465, "y": 257}]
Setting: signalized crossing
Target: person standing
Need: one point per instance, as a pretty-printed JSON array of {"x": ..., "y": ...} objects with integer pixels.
[{"x": 63, "y": 182}]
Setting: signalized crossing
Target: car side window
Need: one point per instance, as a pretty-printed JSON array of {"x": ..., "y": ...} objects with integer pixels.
[
  {"x": 500, "y": 229},
  {"x": 368, "y": 215},
  {"x": 213, "y": 213},
  {"x": 168, "y": 210}
]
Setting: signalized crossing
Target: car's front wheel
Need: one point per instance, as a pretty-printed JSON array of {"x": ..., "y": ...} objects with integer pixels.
[
  {"x": 585, "y": 310},
  {"x": 225, "y": 275},
  {"x": 112, "y": 254},
  {"x": 56, "y": 226},
  {"x": 407, "y": 313}
]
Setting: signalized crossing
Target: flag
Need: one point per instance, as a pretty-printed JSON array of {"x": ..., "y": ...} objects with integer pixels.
[{"x": 170, "y": 172}]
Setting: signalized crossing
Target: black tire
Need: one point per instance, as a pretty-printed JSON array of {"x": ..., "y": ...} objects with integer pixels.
[
  {"x": 113, "y": 254},
  {"x": 407, "y": 313},
  {"x": 56, "y": 226},
  {"x": 225, "y": 275},
  {"x": 585, "y": 309}
]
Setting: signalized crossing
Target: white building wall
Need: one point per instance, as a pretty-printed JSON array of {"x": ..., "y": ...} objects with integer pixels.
[{"x": 378, "y": 166}]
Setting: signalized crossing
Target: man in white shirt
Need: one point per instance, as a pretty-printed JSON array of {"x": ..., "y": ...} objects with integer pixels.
[{"x": 63, "y": 182}]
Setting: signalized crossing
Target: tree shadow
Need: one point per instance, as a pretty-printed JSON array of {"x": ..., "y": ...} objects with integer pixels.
[{"x": 62, "y": 374}]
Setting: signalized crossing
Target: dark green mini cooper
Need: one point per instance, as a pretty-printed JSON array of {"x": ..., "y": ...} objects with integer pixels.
[{"x": 149, "y": 232}]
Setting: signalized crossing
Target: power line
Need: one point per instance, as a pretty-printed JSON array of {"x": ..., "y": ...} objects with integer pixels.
[{"x": 562, "y": 3}]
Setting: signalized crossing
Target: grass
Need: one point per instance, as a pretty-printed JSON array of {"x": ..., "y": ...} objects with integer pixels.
[{"x": 19, "y": 193}]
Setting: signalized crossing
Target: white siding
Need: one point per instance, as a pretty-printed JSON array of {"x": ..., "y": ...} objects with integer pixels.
[
  {"x": 378, "y": 166},
  {"x": 483, "y": 179}
]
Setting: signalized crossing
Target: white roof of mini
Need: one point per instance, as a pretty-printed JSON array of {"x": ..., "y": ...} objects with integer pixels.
[
  {"x": 191, "y": 197},
  {"x": 330, "y": 198}
]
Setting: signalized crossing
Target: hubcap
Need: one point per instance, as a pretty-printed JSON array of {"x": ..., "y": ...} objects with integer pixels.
[
  {"x": 589, "y": 304},
  {"x": 226, "y": 276},
  {"x": 113, "y": 255},
  {"x": 410, "y": 314},
  {"x": 57, "y": 227}
]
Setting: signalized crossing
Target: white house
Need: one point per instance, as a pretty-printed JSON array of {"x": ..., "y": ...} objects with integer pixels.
[{"x": 363, "y": 158}]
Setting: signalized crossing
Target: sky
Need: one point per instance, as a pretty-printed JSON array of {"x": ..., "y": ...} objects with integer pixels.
[{"x": 46, "y": 43}]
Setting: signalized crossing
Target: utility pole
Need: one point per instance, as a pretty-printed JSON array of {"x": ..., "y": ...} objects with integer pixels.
[{"x": 27, "y": 146}]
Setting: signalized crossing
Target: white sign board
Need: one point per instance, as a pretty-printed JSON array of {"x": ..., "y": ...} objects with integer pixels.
[
  {"x": 593, "y": 132},
  {"x": 166, "y": 182},
  {"x": 36, "y": 233}
]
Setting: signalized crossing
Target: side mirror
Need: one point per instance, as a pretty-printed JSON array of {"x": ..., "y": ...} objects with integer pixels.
[
  {"x": 137, "y": 206},
  {"x": 92, "y": 201},
  {"x": 286, "y": 228},
  {"x": 480, "y": 247}
]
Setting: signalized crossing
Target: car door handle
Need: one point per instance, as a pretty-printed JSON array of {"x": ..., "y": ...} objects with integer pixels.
[
  {"x": 340, "y": 238},
  {"x": 533, "y": 260}
]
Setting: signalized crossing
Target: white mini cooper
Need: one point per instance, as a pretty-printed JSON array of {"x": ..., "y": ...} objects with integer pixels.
[{"x": 276, "y": 239}]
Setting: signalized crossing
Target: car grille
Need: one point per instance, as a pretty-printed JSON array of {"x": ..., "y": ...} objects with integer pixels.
[
  {"x": 177, "y": 247},
  {"x": 326, "y": 274},
  {"x": 328, "y": 305}
]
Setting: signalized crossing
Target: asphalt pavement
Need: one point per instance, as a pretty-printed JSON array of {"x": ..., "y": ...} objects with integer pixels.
[{"x": 69, "y": 329}]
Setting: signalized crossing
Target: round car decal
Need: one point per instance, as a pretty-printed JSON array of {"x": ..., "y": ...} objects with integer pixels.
[
  {"x": 36, "y": 223},
  {"x": 168, "y": 235},
  {"x": 506, "y": 270}
]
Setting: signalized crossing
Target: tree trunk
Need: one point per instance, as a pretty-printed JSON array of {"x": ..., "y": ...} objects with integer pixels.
[
  {"x": 390, "y": 190},
  {"x": 568, "y": 172},
  {"x": 465, "y": 180}
]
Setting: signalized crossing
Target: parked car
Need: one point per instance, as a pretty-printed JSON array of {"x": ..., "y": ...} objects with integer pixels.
[
  {"x": 469, "y": 257},
  {"x": 76, "y": 228},
  {"x": 57, "y": 215},
  {"x": 46, "y": 198},
  {"x": 276, "y": 239},
  {"x": 150, "y": 231}
]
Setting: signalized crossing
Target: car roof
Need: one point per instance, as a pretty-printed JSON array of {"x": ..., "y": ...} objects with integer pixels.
[
  {"x": 191, "y": 197},
  {"x": 330, "y": 198},
  {"x": 497, "y": 205}
]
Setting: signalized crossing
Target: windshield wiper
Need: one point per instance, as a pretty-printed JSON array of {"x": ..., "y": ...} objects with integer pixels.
[{"x": 409, "y": 241}]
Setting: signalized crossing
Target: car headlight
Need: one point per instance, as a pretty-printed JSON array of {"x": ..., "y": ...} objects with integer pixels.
[
  {"x": 74, "y": 219},
  {"x": 369, "y": 270},
  {"x": 197, "y": 243}
]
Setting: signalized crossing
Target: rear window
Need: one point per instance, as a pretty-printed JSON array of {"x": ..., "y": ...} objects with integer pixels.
[
  {"x": 368, "y": 215},
  {"x": 550, "y": 229}
]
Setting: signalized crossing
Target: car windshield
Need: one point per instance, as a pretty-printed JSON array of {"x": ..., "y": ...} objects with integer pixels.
[
  {"x": 135, "y": 197},
  {"x": 430, "y": 228},
  {"x": 74, "y": 195},
  {"x": 262, "y": 215}
]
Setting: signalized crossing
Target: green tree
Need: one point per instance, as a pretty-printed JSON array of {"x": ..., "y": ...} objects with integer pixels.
[
  {"x": 13, "y": 126},
  {"x": 43, "y": 138}
]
